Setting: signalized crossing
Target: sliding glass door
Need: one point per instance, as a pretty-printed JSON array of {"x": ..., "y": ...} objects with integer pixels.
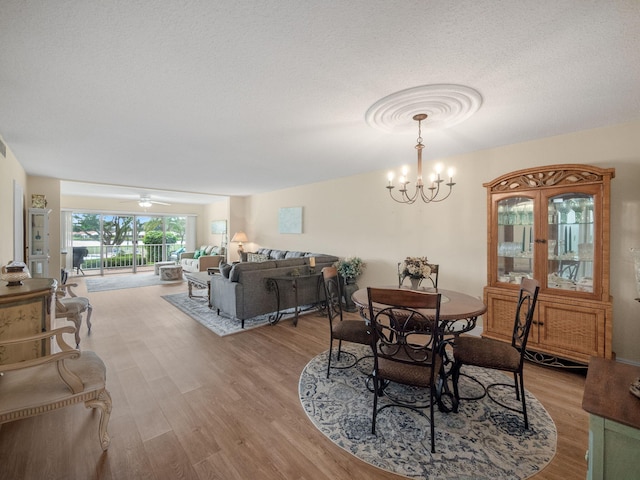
[{"x": 107, "y": 243}]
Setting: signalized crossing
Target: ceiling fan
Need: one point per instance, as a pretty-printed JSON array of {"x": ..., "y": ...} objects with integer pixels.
[{"x": 145, "y": 201}]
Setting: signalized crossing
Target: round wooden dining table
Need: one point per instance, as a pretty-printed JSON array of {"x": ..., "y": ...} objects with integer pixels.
[
  {"x": 458, "y": 311},
  {"x": 458, "y": 314}
]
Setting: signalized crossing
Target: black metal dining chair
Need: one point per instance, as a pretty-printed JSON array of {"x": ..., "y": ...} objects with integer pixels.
[
  {"x": 497, "y": 355},
  {"x": 355, "y": 331},
  {"x": 406, "y": 346}
]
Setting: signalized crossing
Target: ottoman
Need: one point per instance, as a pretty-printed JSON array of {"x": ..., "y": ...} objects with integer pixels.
[
  {"x": 157, "y": 265},
  {"x": 170, "y": 272}
]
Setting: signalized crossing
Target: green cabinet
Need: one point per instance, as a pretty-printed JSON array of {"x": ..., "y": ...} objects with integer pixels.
[{"x": 614, "y": 420}]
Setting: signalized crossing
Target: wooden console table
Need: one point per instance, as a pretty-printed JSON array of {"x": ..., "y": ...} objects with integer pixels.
[
  {"x": 272, "y": 283},
  {"x": 614, "y": 420}
]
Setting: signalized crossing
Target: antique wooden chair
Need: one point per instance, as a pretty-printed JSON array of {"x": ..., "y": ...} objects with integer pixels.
[
  {"x": 433, "y": 278},
  {"x": 497, "y": 355},
  {"x": 52, "y": 381},
  {"x": 71, "y": 307},
  {"x": 406, "y": 346},
  {"x": 356, "y": 331}
]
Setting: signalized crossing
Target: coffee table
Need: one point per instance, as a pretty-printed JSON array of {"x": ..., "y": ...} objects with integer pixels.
[{"x": 199, "y": 280}]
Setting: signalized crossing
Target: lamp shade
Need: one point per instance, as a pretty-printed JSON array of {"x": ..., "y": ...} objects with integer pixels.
[{"x": 240, "y": 237}]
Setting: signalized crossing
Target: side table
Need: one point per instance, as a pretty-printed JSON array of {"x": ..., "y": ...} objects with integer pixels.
[
  {"x": 157, "y": 265},
  {"x": 199, "y": 280},
  {"x": 170, "y": 272}
]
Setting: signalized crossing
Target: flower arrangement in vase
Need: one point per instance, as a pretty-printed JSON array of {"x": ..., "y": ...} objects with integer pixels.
[
  {"x": 416, "y": 268},
  {"x": 349, "y": 268}
]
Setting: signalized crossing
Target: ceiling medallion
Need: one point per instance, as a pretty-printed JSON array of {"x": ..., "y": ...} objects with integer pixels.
[
  {"x": 446, "y": 105},
  {"x": 435, "y": 106}
]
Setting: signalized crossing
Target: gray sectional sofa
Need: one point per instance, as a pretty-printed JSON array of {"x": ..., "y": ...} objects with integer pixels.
[{"x": 241, "y": 291}]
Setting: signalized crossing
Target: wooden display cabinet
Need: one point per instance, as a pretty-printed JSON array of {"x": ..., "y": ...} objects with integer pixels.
[
  {"x": 38, "y": 242},
  {"x": 552, "y": 223}
]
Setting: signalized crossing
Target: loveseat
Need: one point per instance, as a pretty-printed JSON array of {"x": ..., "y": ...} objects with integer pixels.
[
  {"x": 207, "y": 256},
  {"x": 241, "y": 291}
]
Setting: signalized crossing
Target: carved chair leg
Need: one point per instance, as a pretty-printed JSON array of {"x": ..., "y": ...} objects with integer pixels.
[
  {"x": 89, "y": 310},
  {"x": 103, "y": 402},
  {"x": 77, "y": 321}
]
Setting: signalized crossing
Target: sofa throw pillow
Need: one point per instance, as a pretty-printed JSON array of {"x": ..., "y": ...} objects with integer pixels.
[
  {"x": 197, "y": 254},
  {"x": 207, "y": 250},
  {"x": 225, "y": 269},
  {"x": 257, "y": 257}
]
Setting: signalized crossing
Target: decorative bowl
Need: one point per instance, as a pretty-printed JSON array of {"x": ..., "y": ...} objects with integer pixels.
[{"x": 14, "y": 275}]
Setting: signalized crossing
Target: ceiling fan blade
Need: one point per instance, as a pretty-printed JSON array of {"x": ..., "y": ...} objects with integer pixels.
[{"x": 159, "y": 203}]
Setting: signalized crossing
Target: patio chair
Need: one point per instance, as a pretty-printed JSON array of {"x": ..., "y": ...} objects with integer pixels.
[{"x": 78, "y": 258}]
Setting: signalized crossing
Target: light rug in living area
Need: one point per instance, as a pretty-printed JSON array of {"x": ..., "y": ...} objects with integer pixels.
[
  {"x": 133, "y": 280},
  {"x": 481, "y": 441},
  {"x": 198, "y": 309}
]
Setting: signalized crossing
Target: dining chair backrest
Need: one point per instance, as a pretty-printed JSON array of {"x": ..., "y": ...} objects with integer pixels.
[
  {"x": 401, "y": 331},
  {"x": 332, "y": 292},
  {"x": 525, "y": 309}
]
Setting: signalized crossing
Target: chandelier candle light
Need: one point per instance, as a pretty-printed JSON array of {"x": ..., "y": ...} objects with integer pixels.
[{"x": 430, "y": 193}]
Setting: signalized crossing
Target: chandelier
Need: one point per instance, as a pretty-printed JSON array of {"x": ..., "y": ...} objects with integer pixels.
[{"x": 427, "y": 194}]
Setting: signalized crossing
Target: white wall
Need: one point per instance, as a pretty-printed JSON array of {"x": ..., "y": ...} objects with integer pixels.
[
  {"x": 10, "y": 170},
  {"x": 354, "y": 216}
]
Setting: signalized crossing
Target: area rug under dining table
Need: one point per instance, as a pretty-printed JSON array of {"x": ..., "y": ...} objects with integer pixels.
[{"x": 481, "y": 441}]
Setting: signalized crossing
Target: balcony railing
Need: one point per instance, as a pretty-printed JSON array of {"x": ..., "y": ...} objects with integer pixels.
[{"x": 122, "y": 256}]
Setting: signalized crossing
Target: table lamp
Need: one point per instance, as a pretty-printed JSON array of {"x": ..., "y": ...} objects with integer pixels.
[{"x": 240, "y": 237}]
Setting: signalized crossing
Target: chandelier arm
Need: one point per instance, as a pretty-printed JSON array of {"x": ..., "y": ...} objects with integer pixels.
[
  {"x": 435, "y": 199},
  {"x": 404, "y": 196}
]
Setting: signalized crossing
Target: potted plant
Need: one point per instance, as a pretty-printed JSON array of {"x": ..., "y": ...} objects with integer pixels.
[{"x": 350, "y": 268}]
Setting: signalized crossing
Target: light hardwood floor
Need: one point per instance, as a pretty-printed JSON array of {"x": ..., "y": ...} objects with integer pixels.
[{"x": 188, "y": 404}]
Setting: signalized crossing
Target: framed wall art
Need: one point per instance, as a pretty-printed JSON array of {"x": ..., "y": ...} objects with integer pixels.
[
  {"x": 290, "y": 220},
  {"x": 219, "y": 227},
  {"x": 38, "y": 201}
]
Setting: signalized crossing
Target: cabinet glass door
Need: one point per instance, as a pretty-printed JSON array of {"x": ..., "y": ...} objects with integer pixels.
[
  {"x": 39, "y": 243},
  {"x": 38, "y": 234},
  {"x": 515, "y": 239},
  {"x": 570, "y": 242}
]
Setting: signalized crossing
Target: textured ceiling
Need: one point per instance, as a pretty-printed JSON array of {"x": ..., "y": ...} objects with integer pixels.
[{"x": 237, "y": 97}]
